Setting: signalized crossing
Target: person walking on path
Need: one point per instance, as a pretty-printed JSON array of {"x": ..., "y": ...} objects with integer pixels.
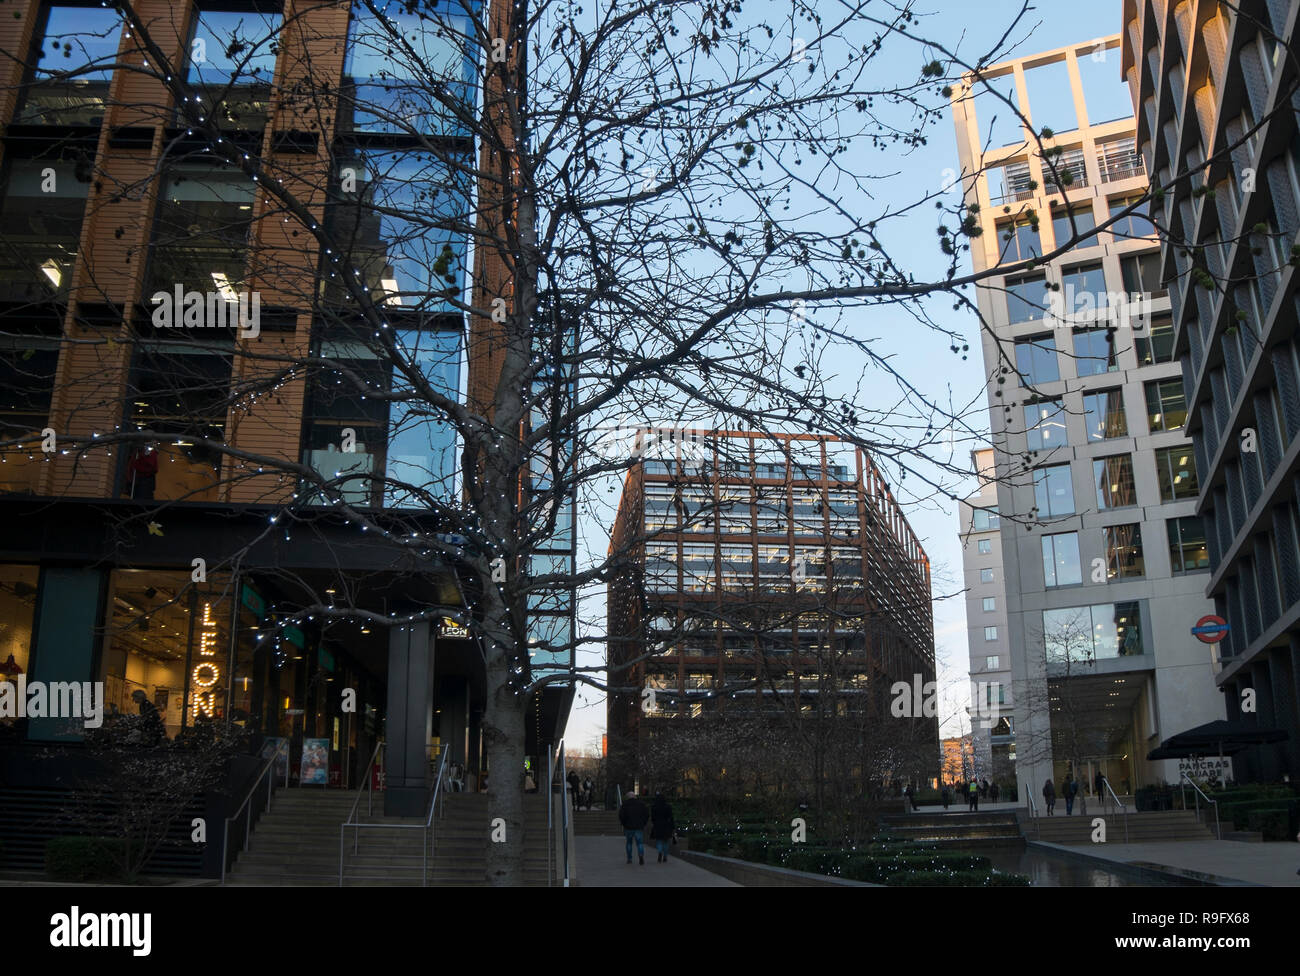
[
  {"x": 946, "y": 794},
  {"x": 1049, "y": 795},
  {"x": 973, "y": 794},
  {"x": 633, "y": 815},
  {"x": 588, "y": 792},
  {"x": 1069, "y": 788},
  {"x": 661, "y": 825},
  {"x": 1099, "y": 786},
  {"x": 993, "y": 792},
  {"x": 574, "y": 785}
]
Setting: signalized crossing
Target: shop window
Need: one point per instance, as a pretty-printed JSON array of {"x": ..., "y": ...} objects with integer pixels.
[{"x": 167, "y": 648}]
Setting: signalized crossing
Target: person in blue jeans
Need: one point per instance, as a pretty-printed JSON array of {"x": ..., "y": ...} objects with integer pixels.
[
  {"x": 661, "y": 825},
  {"x": 633, "y": 815}
]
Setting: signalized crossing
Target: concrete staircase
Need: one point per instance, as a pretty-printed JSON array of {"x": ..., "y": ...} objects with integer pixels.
[
  {"x": 297, "y": 843},
  {"x": 1143, "y": 828},
  {"x": 964, "y": 831},
  {"x": 596, "y": 823}
]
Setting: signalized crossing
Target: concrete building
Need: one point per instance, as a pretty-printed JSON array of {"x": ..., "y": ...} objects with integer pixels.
[
  {"x": 1102, "y": 549},
  {"x": 1215, "y": 89},
  {"x": 992, "y": 736}
]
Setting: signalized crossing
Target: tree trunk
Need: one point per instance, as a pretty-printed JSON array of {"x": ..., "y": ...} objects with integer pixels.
[{"x": 503, "y": 732}]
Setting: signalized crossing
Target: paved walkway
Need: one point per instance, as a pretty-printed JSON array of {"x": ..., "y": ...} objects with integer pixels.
[
  {"x": 1273, "y": 864},
  {"x": 602, "y": 863}
]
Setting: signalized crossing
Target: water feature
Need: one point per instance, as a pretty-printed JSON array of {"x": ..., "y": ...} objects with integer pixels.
[{"x": 1053, "y": 871}]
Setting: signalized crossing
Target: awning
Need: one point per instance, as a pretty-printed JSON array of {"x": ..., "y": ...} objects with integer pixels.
[{"x": 1220, "y": 738}]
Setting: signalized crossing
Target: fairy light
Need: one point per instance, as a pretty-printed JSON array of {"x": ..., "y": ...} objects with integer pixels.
[{"x": 206, "y": 673}]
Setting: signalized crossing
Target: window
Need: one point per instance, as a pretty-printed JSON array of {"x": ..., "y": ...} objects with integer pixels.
[
  {"x": 1045, "y": 425},
  {"x": 992, "y": 662},
  {"x": 1094, "y": 352},
  {"x": 1135, "y": 225},
  {"x": 984, "y": 519},
  {"x": 1176, "y": 472},
  {"x": 1053, "y": 490},
  {"x": 1036, "y": 360},
  {"x": 1019, "y": 241},
  {"x": 1141, "y": 274},
  {"x": 1187, "y": 552},
  {"x": 1066, "y": 223},
  {"x": 400, "y": 63},
  {"x": 995, "y": 690},
  {"x": 1166, "y": 405},
  {"x": 1103, "y": 415},
  {"x": 1123, "y": 551},
  {"x": 990, "y": 633},
  {"x": 1113, "y": 477},
  {"x": 78, "y": 41},
  {"x": 1120, "y": 159},
  {"x": 1158, "y": 345},
  {"x": 986, "y": 576},
  {"x": 990, "y": 604},
  {"x": 1083, "y": 635},
  {"x": 1083, "y": 289},
  {"x": 985, "y": 546},
  {"x": 41, "y": 230},
  {"x": 232, "y": 63},
  {"x": 1026, "y": 298},
  {"x": 1061, "y": 566},
  {"x": 201, "y": 229}
]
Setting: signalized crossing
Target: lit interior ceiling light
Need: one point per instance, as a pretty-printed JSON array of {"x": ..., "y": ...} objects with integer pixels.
[
  {"x": 53, "y": 272},
  {"x": 223, "y": 286}
]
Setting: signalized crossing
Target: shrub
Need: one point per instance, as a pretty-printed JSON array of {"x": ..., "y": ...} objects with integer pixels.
[
  {"x": 963, "y": 879},
  {"x": 1271, "y": 822},
  {"x": 84, "y": 859}
]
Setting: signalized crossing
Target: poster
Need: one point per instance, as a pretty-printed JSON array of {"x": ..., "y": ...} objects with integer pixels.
[
  {"x": 280, "y": 749},
  {"x": 315, "y": 762}
]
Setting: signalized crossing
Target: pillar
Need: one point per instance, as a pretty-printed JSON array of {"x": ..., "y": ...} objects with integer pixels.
[{"x": 409, "y": 724}]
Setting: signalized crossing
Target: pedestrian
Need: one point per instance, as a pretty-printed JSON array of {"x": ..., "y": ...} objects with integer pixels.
[
  {"x": 152, "y": 723},
  {"x": 1049, "y": 795},
  {"x": 661, "y": 826},
  {"x": 574, "y": 785},
  {"x": 993, "y": 792},
  {"x": 1069, "y": 788},
  {"x": 588, "y": 792},
  {"x": 1099, "y": 785},
  {"x": 909, "y": 798},
  {"x": 946, "y": 794},
  {"x": 973, "y": 791},
  {"x": 633, "y": 815}
]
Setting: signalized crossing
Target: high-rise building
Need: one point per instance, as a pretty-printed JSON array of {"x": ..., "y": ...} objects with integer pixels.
[
  {"x": 992, "y": 737},
  {"x": 114, "y": 190},
  {"x": 1103, "y": 552},
  {"x": 1215, "y": 88},
  {"x": 768, "y": 574}
]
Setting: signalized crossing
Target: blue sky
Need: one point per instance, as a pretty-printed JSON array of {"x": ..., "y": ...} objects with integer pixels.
[{"x": 970, "y": 28}]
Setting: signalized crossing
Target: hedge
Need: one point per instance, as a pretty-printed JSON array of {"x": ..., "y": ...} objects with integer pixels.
[{"x": 84, "y": 859}]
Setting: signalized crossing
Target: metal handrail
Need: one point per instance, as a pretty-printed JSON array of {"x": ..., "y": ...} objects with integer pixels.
[
  {"x": 430, "y": 838},
  {"x": 368, "y": 787},
  {"x": 1110, "y": 789},
  {"x": 564, "y": 813},
  {"x": 1218, "y": 831},
  {"x": 357, "y": 826},
  {"x": 225, "y": 830}
]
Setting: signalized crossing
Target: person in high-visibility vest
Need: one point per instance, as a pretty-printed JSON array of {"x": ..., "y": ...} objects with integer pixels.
[{"x": 974, "y": 790}]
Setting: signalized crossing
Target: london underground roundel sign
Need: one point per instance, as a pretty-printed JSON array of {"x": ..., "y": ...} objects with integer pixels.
[{"x": 1210, "y": 629}]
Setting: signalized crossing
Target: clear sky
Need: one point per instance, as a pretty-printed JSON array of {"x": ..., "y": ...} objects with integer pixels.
[{"x": 969, "y": 27}]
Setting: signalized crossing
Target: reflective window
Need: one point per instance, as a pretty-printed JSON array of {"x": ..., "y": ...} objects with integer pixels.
[
  {"x": 1036, "y": 360},
  {"x": 986, "y": 576},
  {"x": 984, "y": 519},
  {"x": 42, "y": 206},
  {"x": 1103, "y": 415},
  {"x": 1113, "y": 477},
  {"x": 1176, "y": 473},
  {"x": 1074, "y": 636},
  {"x": 1166, "y": 405},
  {"x": 1123, "y": 545},
  {"x": 76, "y": 48},
  {"x": 1157, "y": 346},
  {"x": 1134, "y": 225},
  {"x": 985, "y": 546},
  {"x": 990, "y": 633},
  {"x": 1187, "y": 551},
  {"x": 1045, "y": 425},
  {"x": 1026, "y": 298},
  {"x": 1061, "y": 565},
  {"x": 1094, "y": 352},
  {"x": 1053, "y": 490},
  {"x": 990, "y": 604},
  {"x": 1076, "y": 220}
]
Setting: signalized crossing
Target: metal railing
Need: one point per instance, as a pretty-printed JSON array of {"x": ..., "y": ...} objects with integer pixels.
[
  {"x": 562, "y": 874},
  {"x": 1033, "y": 812},
  {"x": 436, "y": 796},
  {"x": 1197, "y": 797},
  {"x": 1122, "y": 807},
  {"x": 262, "y": 775}
]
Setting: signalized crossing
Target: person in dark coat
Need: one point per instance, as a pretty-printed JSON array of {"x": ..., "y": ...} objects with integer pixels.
[
  {"x": 993, "y": 792},
  {"x": 661, "y": 825},
  {"x": 575, "y": 784},
  {"x": 946, "y": 794},
  {"x": 1099, "y": 784},
  {"x": 634, "y": 815},
  {"x": 154, "y": 731},
  {"x": 1049, "y": 796}
]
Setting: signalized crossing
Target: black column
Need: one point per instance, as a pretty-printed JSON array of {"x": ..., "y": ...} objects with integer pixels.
[{"x": 410, "y": 714}]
